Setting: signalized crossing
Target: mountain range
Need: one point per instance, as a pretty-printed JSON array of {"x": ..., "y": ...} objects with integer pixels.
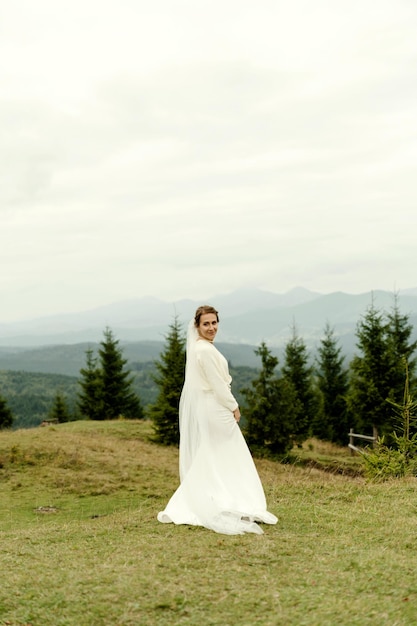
[
  {"x": 41, "y": 356},
  {"x": 247, "y": 317}
]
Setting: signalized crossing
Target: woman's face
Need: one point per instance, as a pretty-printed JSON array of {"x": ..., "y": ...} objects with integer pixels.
[{"x": 207, "y": 328}]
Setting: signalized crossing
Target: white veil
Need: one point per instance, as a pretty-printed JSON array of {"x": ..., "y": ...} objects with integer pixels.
[{"x": 188, "y": 418}]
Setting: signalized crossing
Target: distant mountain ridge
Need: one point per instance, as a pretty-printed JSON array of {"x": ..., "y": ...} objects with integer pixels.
[
  {"x": 68, "y": 359},
  {"x": 140, "y": 319},
  {"x": 248, "y": 316}
]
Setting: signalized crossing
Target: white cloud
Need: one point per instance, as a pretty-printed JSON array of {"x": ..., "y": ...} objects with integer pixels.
[{"x": 185, "y": 149}]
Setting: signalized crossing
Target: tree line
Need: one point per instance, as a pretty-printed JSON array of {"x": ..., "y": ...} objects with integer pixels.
[
  {"x": 285, "y": 405},
  {"x": 105, "y": 390},
  {"x": 282, "y": 404},
  {"x": 32, "y": 396}
]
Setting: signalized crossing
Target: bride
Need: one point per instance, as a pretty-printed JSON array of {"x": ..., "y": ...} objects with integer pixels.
[{"x": 219, "y": 486}]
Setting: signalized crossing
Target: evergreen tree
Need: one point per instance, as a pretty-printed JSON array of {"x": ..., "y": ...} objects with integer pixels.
[
  {"x": 297, "y": 372},
  {"x": 6, "y": 416},
  {"x": 117, "y": 397},
  {"x": 170, "y": 380},
  {"x": 371, "y": 382},
  {"x": 400, "y": 346},
  {"x": 59, "y": 410},
  {"x": 90, "y": 401},
  {"x": 272, "y": 408},
  {"x": 106, "y": 385},
  {"x": 332, "y": 381}
]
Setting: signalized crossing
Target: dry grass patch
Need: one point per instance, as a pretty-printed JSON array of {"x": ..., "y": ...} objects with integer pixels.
[
  {"x": 343, "y": 551},
  {"x": 328, "y": 457}
]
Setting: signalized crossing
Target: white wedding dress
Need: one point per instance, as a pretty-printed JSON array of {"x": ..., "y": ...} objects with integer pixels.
[{"x": 219, "y": 485}]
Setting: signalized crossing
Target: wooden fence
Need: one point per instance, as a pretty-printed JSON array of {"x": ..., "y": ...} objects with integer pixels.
[{"x": 353, "y": 436}]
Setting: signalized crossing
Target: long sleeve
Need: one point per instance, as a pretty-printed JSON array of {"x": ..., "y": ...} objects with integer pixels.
[{"x": 215, "y": 374}]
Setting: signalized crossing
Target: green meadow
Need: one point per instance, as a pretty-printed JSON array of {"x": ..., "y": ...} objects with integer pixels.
[{"x": 80, "y": 544}]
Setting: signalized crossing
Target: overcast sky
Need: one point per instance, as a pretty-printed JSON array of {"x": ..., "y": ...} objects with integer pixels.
[{"x": 187, "y": 148}]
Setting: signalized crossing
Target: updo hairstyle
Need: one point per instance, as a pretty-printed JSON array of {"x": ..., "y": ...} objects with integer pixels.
[{"x": 203, "y": 310}]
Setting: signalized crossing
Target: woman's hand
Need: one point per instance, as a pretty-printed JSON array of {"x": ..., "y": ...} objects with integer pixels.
[{"x": 236, "y": 414}]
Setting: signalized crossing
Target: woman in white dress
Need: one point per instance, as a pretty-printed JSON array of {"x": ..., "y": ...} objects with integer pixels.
[{"x": 219, "y": 486}]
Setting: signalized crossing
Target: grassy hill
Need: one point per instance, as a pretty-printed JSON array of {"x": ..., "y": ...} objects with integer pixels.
[
  {"x": 81, "y": 544},
  {"x": 30, "y": 395},
  {"x": 31, "y": 377}
]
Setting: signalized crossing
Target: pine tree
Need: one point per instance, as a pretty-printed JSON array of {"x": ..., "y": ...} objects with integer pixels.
[
  {"x": 272, "y": 408},
  {"x": 117, "y": 396},
  {"x": 399, "y": 331},
  {"x": 170, "y": 380},
  {"x": 332, "y": 381},
  {"x": 371, "y": 382},
  {"x": 90, "y": 401},
  {"x": 297, "y": 371},
  {"x": 106, "y": 385},
  {"x": 59, "y": 411},
  {"x": 6, "y": 416}
]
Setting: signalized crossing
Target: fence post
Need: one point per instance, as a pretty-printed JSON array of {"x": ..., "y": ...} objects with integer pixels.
[
  {"x": 375, "y": 435},
  {"x": 351, "y": 441}
]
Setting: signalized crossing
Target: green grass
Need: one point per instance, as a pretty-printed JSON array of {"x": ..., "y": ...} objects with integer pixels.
[
  {"x": 326, "y": 456},
  {"x": 80, "y": 544}
]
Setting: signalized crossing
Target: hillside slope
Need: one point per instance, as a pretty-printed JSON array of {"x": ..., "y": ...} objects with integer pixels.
[{"x": 81, "y": 543}]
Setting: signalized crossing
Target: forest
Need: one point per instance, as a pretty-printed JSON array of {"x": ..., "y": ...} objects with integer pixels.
[
  {"x": 30, "y": 395},
  {"x": 284, "y": 399}
]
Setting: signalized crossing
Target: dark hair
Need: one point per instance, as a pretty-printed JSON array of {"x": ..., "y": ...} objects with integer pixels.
[{"x": 203, "y": 310}]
